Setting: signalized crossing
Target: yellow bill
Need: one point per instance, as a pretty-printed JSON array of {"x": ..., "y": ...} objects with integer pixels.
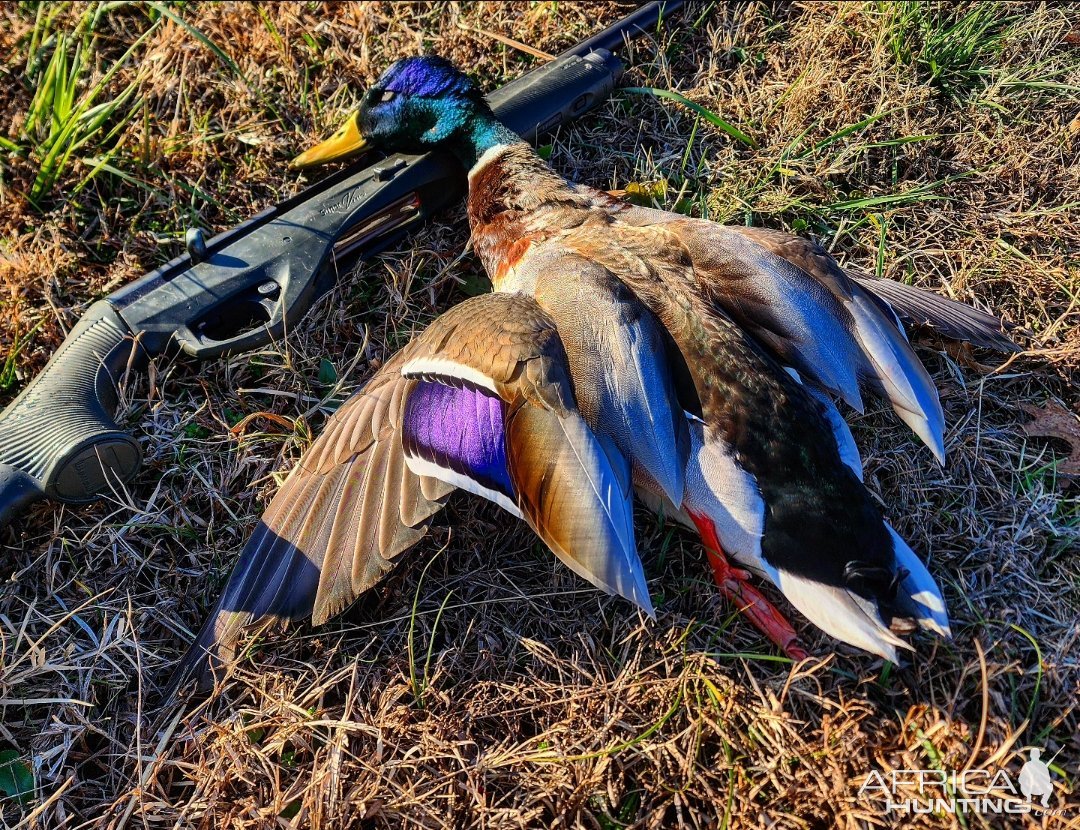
[{"x": 346, "y": 142}]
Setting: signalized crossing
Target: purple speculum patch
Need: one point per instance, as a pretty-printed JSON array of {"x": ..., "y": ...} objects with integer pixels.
[{"x": 458, "y": 428}]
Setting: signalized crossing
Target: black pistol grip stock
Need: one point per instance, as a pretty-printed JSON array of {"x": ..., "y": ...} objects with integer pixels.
[{"x": 58, "y": 439}]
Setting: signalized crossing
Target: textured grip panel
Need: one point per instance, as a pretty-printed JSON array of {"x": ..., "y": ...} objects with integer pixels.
[
  {"x": 58, "y": 438},
  {"x": 555, "y": 94}
]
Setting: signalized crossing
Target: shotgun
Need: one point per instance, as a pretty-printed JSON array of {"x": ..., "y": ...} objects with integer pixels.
[{"x": 246, "y": 287}]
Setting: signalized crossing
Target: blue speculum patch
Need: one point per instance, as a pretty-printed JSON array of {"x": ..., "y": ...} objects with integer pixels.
[{"x": 460, "y": 429}]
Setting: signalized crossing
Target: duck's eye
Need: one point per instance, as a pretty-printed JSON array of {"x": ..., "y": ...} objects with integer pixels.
[{"x": 388, "y": 95}]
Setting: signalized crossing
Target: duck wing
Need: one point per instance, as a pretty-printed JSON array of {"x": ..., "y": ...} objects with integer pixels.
[
  {"x": 763, "y": 436},
  {"x": 355, "y": 469},
  {"x": 908, "y": 304},
  {"x": 571, "y": 486},
  {"x": 616, "y": 350},
  {"x": 919, "y": 307},
  {"x": 793, "y": 298},
  {"x": 792, "y": 295},
  {"x": 481, "y": 400}
]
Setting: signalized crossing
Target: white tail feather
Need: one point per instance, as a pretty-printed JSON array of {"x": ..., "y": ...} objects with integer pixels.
[
  {"x": 919, "y": 595},
  {"x": 839, "y": 613}
]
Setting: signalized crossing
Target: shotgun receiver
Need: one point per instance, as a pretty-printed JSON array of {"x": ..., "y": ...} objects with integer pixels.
[{"x": 245, "y": 287}]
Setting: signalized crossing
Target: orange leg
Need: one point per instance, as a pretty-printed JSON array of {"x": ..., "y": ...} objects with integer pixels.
[{"x": 734, "y": 584}]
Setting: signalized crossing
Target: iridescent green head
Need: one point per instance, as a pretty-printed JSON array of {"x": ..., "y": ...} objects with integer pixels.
[{"x": 417, "y": 105}]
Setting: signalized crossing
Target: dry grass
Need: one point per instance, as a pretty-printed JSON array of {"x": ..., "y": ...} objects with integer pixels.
[{"x": 482, "y": 685}]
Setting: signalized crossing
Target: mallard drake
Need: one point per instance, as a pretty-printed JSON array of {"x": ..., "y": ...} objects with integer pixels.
[
  {"x": 717, "y": 426},
  {"x": 769, "y": 472},
  {"x": 483, "y": 401}
]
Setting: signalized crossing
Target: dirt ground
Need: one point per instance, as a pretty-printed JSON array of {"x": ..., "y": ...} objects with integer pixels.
[{"x": 483, "y": 685}]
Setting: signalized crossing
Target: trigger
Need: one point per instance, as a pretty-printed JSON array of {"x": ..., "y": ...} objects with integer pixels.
[{"x": 269, "y": 293}]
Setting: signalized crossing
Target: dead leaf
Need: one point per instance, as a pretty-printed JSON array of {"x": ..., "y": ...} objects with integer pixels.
[
  {"x": 1052, "y": 420},
  {"x": 963, "y": 354},
  {"x": 287, "y": 423}
]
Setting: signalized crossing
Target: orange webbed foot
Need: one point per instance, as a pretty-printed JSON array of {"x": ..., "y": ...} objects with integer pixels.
[{"x": 735, "y": 585}]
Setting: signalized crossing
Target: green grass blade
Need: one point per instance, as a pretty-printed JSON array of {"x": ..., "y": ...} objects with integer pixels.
[
  {"x": 846, "y": 131},
  {"x": 36, "y": 38},
  {"x": 417, "y": 685},
  {"x": 42, "y": 98},
  {"x": 196, "y": 33},
  {"x": 7, "y": 370},
  {"x": 101, "y": 164},
  {"x": 548, "y": 757},
  {"x": 711, "y": 117},
  {"x": 57, "y": 93},
  {"x": 921, "y": 193},
  {"x": 73, "y": 122}
]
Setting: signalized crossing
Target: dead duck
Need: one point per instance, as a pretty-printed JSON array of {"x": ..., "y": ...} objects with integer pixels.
[
  {"x": 718, "y": 434},
  {"x": 718, "y": 315}
]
